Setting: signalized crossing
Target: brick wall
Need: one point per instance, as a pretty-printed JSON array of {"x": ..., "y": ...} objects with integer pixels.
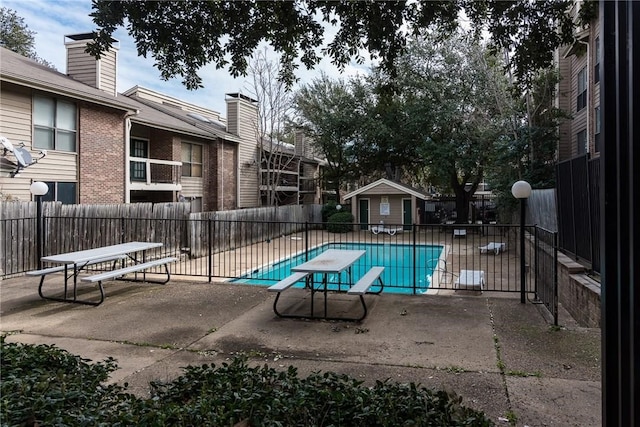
[
  {"x": 222, "y": 165},
  {"x": 164, "y": 145},
  {"x": 578, "y": 293},
  {"x": 100, "y": 155},
  {"x": 229, "y": 167}
]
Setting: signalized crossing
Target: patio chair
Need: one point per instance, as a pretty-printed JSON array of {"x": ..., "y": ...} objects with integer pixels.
[
  {"x": 495, "y": 247},
  {"x": 381, "y": 228},
  {"x": 470, "y": 280}
]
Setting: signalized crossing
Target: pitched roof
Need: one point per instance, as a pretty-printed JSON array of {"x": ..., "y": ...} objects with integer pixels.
[
  {"x": 397, "y": 185},
  {"x": 20, "y": 70},
  {"x": 154, "y": 113}
]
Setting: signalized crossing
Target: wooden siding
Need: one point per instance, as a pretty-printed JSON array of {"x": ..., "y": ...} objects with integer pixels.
[
  {"x": 383, "y": 189},
  {"x": 15, "y": 122},
  {"x": 563, "y": 102},
  {"x": 15, "y": 114},
  {"x": 579, "y": 122},
  {"x": 192, "y": 186},
  {"x": 594, "y": 88},
  {"x": 107, "y": 70},
  {"x": 395, "y": 208},
  {"x": 82, "y": 66},
  {"x": 242, "y": 121}
]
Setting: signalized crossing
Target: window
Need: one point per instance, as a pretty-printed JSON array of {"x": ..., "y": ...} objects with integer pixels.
[
  {"x": 582, "y": 89},
  {"x": 191, "y": 159},
  {"x": 597, "y": 128},
  {"x": 596, "y": 68},
  {"x": 64, "y": 192},
  {"x": 582, "y": 141},
  {"x": 138, "y": 170},
  {"x": 54, "y": 124}
]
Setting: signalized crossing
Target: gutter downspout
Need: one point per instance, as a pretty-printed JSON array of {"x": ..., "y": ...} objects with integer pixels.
[
  {"x": 588, "y": 100},
  {"x": 127, "y": 155},
  {"x": 221, "y": 175}
]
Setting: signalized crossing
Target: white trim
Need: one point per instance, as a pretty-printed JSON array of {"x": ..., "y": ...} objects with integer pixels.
[{"x": 389, "y": 183}]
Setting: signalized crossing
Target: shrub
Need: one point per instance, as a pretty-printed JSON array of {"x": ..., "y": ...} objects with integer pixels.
[
  {"x": 328, "y": 210},
  {"x": 341, "y": 222},
  {"x": 49, "y": 386}
]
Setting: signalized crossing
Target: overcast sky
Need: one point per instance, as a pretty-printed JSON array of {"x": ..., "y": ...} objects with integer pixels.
[{"x": 51, "y": 20}]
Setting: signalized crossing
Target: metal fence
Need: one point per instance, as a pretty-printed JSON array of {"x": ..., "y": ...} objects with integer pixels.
[
  {"x": 418, "y": 258},
  {"x": 579, "y": 208},
  {"x": 545, "y": 253}
]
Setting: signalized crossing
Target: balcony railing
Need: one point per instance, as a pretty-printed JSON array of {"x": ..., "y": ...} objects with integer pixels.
[{"x": 154, "y": 174}]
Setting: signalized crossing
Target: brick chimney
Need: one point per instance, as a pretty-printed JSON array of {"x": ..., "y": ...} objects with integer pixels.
[{"x": 83, "y": 67}]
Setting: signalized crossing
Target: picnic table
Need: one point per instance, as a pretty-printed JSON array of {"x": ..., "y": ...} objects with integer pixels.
[
  {"x": 131, "y": 255},
  {"x": 331, "y": 261}
]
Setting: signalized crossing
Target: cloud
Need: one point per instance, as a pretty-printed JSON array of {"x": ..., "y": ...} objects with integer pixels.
[{"x": 52, "y": 20}]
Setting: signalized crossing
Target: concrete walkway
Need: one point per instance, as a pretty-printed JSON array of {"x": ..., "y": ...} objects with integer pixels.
[{"x": 500, "y": 356}]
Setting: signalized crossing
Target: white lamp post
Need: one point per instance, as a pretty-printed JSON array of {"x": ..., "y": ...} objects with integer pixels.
[
  {"x": 522, "y": 190},
  {"x": 39, "y": 189}
]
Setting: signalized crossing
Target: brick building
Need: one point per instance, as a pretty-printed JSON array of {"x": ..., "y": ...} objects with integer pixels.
[{"x": 138, "y": 146}]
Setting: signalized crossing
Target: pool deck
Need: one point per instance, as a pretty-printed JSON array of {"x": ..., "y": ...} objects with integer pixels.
[{"x": 499, "y": 355}]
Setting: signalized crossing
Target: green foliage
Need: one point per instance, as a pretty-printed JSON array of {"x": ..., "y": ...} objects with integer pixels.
[
  {"x": 528, "y": 150},
  {"x": 589, "y": 11},
  {"x": 327, "y": 112},
  {"x": 53, "y": 387},
  {"x": 14, "y": 33},
  {"x": 16, "y": 36},
  {"x": 329, "y": 209},
  {"x": 512, "y": 418},
  {"x": 341, "y": 222},
  {"x": 454, "y": 91},
  {"x": 230, "y": 31}
]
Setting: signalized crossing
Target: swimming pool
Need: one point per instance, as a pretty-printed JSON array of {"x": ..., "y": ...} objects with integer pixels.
[{"x": 398, "y": 259}]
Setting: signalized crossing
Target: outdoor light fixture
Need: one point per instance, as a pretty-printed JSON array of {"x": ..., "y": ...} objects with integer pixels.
[
  {"x": 338, "y": 207},
  {"x": 522, "y": 190},
  {"x": 39, "y": 189}
]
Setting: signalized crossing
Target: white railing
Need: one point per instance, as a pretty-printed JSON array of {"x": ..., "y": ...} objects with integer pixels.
[{"x": 154, "y": 173}]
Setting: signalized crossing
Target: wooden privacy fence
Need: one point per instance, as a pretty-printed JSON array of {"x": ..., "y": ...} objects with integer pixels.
[
  {"x": 237, "y": 228},
  {"x": 77, "y": 227}
]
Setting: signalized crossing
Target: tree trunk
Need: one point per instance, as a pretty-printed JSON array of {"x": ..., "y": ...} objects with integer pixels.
[{"x": 463, "y": 198}]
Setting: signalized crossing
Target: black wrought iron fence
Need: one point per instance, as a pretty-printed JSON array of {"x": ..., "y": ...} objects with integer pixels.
[
  {"x": 417, "y": 258},
  {"x": 578, "y": 181},
  {"x": 545, "y": 253}
]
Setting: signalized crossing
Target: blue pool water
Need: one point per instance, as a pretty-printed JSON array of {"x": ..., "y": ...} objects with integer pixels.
[{"x": 399, "y": 261}]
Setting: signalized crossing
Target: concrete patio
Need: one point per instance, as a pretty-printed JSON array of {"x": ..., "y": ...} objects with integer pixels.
[{"x": 500, "y": 356}]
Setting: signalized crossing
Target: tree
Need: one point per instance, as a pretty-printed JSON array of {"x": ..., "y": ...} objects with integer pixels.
[
  {"x": 327, "y": 113},
  {"x": 528, "y": 151},
  {"x": 229, "y": 31},
  {"x": 274, "y": 102},
  {"x": 449, "y": 90},
  {"x": 385, "y": 127},
  {"x": 16, "y": 36}
]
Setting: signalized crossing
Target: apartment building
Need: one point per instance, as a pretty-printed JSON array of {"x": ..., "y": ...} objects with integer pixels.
[
  {"x": 580, "y": 139},
  {"x": 106, "y": 147},
  {"x": 579, "y": 91}
]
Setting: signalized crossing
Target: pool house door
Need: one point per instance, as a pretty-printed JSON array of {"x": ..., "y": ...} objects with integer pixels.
[
  {"x": 406, "y": 214},
  {"x": 364, "y": 214}
]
